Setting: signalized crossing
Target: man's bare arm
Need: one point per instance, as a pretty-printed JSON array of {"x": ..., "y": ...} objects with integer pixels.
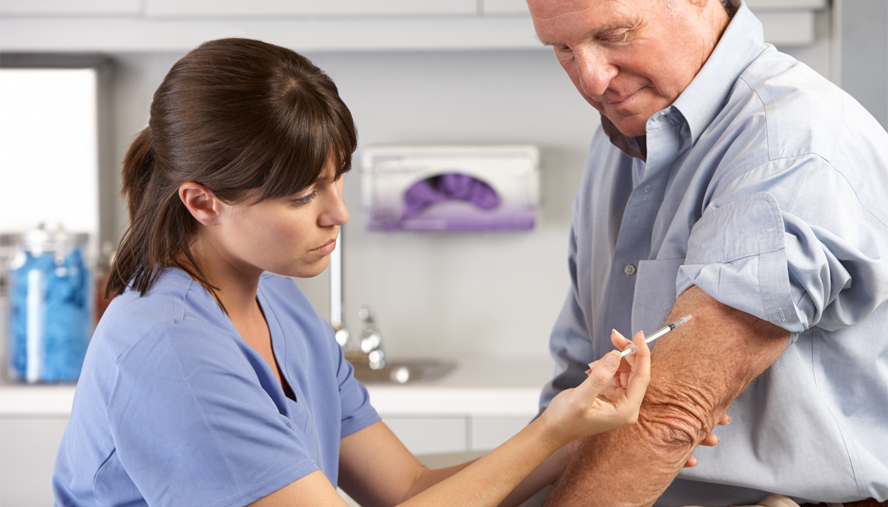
[{"x": 696, "y": 371}]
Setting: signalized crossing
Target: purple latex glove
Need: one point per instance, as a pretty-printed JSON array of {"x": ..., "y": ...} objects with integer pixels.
[{"x": 448, "y": 187}]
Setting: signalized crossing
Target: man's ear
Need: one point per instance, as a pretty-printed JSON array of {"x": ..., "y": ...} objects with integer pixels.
[{"x": 201, "y": 202}]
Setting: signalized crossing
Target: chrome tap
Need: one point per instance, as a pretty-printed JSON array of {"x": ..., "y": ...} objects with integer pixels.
[
  {"x": 369, "y": 349},
  {"x": 371, "y": 340}
]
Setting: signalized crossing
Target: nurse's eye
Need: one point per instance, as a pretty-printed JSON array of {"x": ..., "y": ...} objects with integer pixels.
[{"x": 299, "y": 201}]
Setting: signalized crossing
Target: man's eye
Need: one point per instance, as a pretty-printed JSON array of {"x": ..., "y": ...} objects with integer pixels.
[{"x": 620, "y": 37}]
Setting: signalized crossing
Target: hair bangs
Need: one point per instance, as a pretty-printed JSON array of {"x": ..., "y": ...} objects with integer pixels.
[{"x": 311, "y": 135}]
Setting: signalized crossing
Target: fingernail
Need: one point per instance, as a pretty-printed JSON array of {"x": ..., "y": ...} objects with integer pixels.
[
  {"x": 587, "y": 371},
  {"x": 612, "y": 359},
  {"x": 614, "y": 331}
]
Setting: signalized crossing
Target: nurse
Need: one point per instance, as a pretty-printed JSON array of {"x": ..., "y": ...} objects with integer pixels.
[{"x": 211, "y": 381}]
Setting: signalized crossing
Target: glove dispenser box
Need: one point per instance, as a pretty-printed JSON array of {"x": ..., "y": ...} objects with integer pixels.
[{"x": 450, "y": 188}]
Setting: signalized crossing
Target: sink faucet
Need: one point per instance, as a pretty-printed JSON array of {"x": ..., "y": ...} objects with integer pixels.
[
  {"x": 370, "y": 346},
  {"x": 371, "y": 340}
]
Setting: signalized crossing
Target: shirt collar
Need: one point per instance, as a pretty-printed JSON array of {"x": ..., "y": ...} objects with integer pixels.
[
  {"x": 742, "y": 41},
  {"x": 635, "y": 147}
]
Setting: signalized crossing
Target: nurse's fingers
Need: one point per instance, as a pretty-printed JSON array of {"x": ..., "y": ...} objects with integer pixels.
[
  {"x": 600, "y": 374},
  {"x": 641, "y": 370},
  {"x": 619, "y": 341}
]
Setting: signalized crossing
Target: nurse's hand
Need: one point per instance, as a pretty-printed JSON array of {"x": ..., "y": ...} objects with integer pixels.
[
  {"x": 619, "y": 381},
  {"x": 604, "y": 401}
]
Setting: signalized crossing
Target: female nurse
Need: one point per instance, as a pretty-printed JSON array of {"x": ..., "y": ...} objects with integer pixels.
[{"x": 211, "y": 381}]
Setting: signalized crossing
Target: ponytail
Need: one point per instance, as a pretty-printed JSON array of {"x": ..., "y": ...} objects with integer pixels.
[
  {"x": 137, "y": 168},
  {"x": 160, "y": 230},
  {"x": 160, "y": 225}
]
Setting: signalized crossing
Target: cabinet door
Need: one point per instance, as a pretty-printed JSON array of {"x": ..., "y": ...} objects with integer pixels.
[
  {"x": 313, "y": 8},
  {"x": 55, "y": 7},
  {"x": 504, "y": 7},
  {"x": 430, "y": 435},
  {"x": 28, "y": 447},
  {"x": 490, "y": 432}
]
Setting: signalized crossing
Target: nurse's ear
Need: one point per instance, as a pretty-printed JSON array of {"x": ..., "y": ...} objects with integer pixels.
[{"x": 201, "y": 202}]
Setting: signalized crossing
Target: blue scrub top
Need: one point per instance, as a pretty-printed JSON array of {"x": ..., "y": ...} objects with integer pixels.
[{"x": 174, "y": 408}]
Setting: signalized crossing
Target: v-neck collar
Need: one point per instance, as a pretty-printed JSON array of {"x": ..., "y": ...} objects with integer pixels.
[{"x": 278, "y": 346}]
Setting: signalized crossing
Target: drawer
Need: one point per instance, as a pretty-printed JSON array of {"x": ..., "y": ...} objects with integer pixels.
[
  {"x": 430, "y": 435},
  {"x": 490, "y": 432}
]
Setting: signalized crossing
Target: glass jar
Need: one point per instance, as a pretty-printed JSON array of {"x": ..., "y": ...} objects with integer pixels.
[{"x": 50, "y": 305}]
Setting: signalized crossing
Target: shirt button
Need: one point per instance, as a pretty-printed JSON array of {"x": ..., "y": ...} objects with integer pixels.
[{"x": 629, "y": 270}]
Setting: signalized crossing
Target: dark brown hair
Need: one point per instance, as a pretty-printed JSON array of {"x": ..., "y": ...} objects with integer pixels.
[{"x": 243, "y": 118}]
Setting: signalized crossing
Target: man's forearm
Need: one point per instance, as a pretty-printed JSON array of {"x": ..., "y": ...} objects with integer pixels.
[{"x": 696, "y": 372}]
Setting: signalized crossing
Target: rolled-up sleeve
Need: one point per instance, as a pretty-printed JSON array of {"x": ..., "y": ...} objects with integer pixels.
[
  {"x": 812, "y": 260},
  {"x": 738, "y": 247}
]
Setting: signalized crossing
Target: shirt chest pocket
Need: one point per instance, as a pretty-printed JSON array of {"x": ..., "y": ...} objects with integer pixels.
[{"x": 654, "y": 294}]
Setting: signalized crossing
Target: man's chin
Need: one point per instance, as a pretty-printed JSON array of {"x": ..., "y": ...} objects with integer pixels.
[{"x": 630, "y": 127}]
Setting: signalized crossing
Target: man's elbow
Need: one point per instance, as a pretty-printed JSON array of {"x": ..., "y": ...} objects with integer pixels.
[{"x": 676, "y": 424}]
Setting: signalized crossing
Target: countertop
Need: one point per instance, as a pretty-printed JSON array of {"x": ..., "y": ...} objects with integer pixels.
[{"x": 477, "y": 386}]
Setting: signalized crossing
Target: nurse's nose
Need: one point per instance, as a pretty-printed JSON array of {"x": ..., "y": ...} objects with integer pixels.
[
  {"x": 594, "y": 71},
  {"x": 335, "y": 212}
]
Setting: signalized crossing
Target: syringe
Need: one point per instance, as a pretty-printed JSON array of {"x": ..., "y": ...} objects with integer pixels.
[{"x": 631, "y": 349}]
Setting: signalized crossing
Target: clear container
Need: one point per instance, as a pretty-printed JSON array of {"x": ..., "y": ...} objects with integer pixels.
[{"x": 50, "y": 297}]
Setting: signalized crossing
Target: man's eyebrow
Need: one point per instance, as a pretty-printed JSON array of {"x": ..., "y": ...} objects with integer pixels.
[
  {"x": 544, "y": 43},
  {"x": 596, "y": 32}
]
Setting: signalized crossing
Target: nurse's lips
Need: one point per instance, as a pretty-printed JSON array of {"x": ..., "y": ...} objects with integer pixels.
[{"x": 327, "y": 249}]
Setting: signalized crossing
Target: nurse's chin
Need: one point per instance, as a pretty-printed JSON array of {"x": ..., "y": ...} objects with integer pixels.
[{"x": 304, "y": 270}]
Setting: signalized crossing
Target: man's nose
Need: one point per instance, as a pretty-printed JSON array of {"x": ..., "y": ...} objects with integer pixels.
[{"x": 595, "y": 72}]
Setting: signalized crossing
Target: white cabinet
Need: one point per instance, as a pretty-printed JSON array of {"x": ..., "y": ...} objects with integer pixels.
[
  {"x": 28, "y": 447},
  {"x": 477, "y": 407},
  {"x": 441, "y": 435},
  {"x": 487, "y": 432},
  {"x": 69, "y": 7},
  {"x": 503, "y": 6},
  {"x": 316, "y": 8},
  {"x": 430, "y": 435},
  {"x": 317, "y": 25}
]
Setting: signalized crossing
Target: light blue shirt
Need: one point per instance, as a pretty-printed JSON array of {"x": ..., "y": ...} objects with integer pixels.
[
  {"x": 764, "y": 185},
  {"x": 174, "y": 408}
]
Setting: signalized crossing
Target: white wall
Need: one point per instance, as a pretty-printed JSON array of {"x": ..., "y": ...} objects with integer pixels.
[{"x": 444, "y": 293}]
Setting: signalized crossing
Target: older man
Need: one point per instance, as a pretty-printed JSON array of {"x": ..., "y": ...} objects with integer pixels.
[{"x": 734, "y": 184}]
